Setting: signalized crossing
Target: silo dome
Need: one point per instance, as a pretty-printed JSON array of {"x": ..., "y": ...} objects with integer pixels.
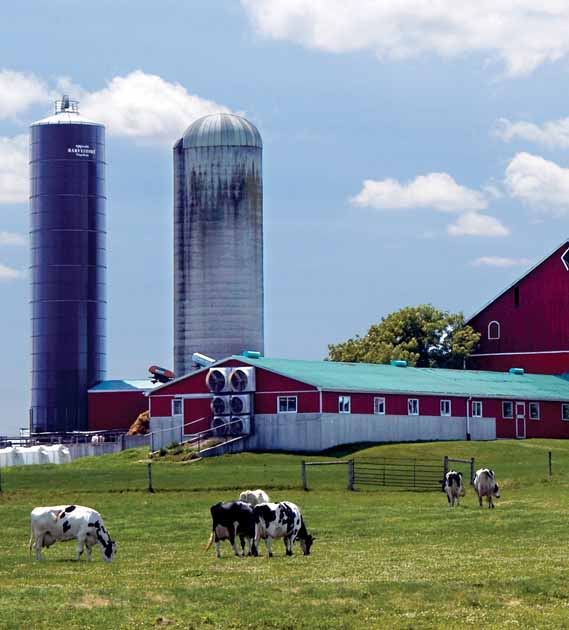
[{"x": 222, "y": 130}]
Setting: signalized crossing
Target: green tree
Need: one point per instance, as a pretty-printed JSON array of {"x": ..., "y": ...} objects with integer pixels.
[{"x": 423, "y": 335}]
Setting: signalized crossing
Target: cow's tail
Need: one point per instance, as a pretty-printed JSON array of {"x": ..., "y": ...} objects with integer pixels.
[{"x": 210, "y": 542}]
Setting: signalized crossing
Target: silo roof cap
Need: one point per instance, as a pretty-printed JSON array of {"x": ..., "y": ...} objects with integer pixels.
[
  {"x": 222, "y": 130},
  {"x": 66, "y": 113}
]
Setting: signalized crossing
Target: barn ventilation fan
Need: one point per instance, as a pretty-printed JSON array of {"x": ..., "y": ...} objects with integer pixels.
[
  {"x": 240, "y": 405},
  {"x": 242, "y": 379},
  {"x": 218, "y": 380},
  {"x": 219, "y": 426},
  {"x": 220, "y": 405},
  {"x": 240, "y": 425}
]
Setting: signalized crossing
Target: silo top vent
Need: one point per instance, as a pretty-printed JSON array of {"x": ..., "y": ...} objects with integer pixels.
[
  {"x": 66, "y": 105},
  {"x": 222, "y": 130}
]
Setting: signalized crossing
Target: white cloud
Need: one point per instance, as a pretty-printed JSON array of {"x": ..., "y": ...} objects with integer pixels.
[
  {"x": 474, "y": 224},
  {"x": 538, "y": 183},
  {"x": 14, "y": 169},
  {"x": 13, "y": 238},
  {"x": 145, "y": 107},
  {"x": 522, "y": 34},
  {"x": 9, "y": 273},
  {"x": 552, "y": 134},
  {"x": 435, "y": 190},
  {"x": 499, "y": 261},
  {"x": 19, "y": 91}
]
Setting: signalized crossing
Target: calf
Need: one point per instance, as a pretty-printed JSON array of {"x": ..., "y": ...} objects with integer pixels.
[
  {"x": 486, "y": 486},
  {"x": 70, "y": 522},
  {"x": 453, "y": 486},
  {"x": 281, "y": 520},
  {"x": 230, "y": 520},
  {"x": 254, "y": 497}
]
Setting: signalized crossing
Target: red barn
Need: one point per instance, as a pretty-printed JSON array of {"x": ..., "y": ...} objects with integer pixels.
[
  {"x": 527, "y": 325},
  {"x": 115, "y": 405},
  {"x": 313, "y": 405}
]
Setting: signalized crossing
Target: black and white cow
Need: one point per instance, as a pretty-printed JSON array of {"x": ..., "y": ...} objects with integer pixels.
[
  {"x": 70, "y": 522},
  {"x": 486, "y": 486},
  {"x": 281, "y": 520},
  {"x": 230, "y": 520},
  {"x": 453, "y": 486}
]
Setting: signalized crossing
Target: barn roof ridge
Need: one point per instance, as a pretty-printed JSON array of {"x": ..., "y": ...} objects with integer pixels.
[{"x": 516, "y": 281}]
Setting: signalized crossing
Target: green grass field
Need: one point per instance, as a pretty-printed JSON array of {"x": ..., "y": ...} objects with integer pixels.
[{"x": 383, "y": 558}]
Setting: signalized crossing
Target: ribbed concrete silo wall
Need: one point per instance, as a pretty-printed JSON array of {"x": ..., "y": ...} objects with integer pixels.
[
  {"x": 218, "y": 252},
  {"x": 68, "y": 268}
]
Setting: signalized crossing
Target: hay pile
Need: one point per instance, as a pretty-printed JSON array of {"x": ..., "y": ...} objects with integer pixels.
[{"x": 141, "y": 426}]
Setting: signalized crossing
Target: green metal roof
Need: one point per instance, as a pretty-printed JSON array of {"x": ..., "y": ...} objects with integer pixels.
[
  {"x": 123, "y": 385},
  {"x": 366, "y": 377}
]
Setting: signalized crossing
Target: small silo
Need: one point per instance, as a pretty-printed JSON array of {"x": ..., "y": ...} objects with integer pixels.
[
  {"x": 68, "y": 267},
  {"x": 218, "y": 239}
]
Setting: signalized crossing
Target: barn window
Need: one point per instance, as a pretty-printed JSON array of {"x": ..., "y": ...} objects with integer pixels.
[
  {"x": 177, "y": 407},
  {"x": 344, "y": 404},
  {"x": 565, "y": 411},
  {"x": 379, "y": 406},
  {"x": 477, "y": 409},
  {"x": 507, "y": 409},
  {"x": 494, "y": 330},
  {"x": 445, "y": 408},
  {"x": 413, "y": 406},
  {"x": 287, "y": 404},
  {"x": 534, "y": 411}
]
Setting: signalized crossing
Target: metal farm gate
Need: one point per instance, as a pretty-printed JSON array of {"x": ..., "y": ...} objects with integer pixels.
[{"x": 400, "y": 472}]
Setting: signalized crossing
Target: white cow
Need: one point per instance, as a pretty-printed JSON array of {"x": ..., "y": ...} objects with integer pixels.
[
  {"x": 254, "y": 497},
  {"x": 486, "y": 486},
  {"x": 453, "y": 486},
  {"x": 98, "y": 439},
  {"x": 70, "y": 522}
]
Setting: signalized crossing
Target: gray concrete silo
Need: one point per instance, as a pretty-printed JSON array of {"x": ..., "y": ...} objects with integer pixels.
[{"x": 218, "y": 239}]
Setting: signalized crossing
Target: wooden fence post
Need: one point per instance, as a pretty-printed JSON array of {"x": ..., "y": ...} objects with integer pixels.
[
  {"x": 351, "y": 474},
  {"x": 549, "y": 463},
  {"x": 149, "y": 470},
  {"x": 303, "y": 474},
  {"x": 446, "y": 465}
]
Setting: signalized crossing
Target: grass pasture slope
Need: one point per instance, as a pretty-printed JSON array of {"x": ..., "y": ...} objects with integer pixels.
[{"x": 383, "y": 558}]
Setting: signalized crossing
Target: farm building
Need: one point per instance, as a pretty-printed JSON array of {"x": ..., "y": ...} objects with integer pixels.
[
  {"x": 115, "y": 405},
  {"x": 313, "y": 405},
  {"x": 527, "y": 325}
]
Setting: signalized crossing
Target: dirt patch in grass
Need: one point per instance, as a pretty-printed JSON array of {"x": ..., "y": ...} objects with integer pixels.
[{"x": 93, "y": 601}]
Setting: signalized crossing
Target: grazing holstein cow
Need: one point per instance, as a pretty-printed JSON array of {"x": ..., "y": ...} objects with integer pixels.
[
  {"x": 281, "y": 520},
  {"x": 486, "y": 486},
  {"x": 254, "y": 497},
  {"x": 230, "y": 520},
  {"x": 70, "y": 522},
  {"x": 453, "y": 486}
]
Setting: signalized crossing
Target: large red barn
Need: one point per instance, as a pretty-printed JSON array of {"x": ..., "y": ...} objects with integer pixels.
[{"x": 527, "y": 325}]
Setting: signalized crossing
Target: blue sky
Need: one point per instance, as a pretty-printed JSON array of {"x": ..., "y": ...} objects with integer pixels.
[{"x": 409, "y": 156}]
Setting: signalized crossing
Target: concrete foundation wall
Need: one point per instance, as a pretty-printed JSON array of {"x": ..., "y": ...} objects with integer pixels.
[{"x": 164, "y": 430}]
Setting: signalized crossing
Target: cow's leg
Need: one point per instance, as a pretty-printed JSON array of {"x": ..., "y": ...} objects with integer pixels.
[
  {"x": 288, "y": 545},
  {"x": 268, "y": 544},
  {"x": 217, "y": 547},
  {"x": 449, "y": 501},
  {"x": 490, "y": 502},
  {"x": 38, "y": 546},
  {"x": 80, "y": 545},
  {"x": 88, "y": 547},
  {"x": 233, "y": 539},
  {"x": 480, "y": 500}
]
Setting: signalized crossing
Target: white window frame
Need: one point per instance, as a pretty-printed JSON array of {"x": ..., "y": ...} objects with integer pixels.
[
  {"x": 511, "y": 416},
  {"x": 288, "y": 399},
  {"x": 377, "y": 401},
  {"x": 478, "y": 405},
  {"x": 412, "y": 406},
  {"x": 489, "y": 328},
  {"x": 344, "y": 404},
  {"x": 173, "y": 408},
  {"x": 564, "y": 406},
  {"x": 535, "y": 404},
  {"x": 443, "y": 413}
]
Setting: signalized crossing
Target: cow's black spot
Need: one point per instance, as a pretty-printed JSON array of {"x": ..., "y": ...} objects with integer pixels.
[
  {"x": 69, "y": 508},
  {"x": 66, "y": 526},
  {"x": 92, "y": 525},
  {"x": 265, "y": 512}
]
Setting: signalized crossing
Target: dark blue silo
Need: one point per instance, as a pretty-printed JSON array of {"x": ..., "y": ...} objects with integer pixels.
[{"x": 68, "y": 267}]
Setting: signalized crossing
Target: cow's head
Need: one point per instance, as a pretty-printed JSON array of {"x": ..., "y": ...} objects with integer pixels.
[
  {"x": 108, "y": 546},
  {"x": 496, "y": 491},
  {"x": 306, "y": 543}
]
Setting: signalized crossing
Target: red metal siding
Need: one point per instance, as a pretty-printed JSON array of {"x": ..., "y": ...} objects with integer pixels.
[
  {"x": 538, "y": 324},
  {"x": 531, "y": 363},
  {"x": 114, "y": 410}
]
